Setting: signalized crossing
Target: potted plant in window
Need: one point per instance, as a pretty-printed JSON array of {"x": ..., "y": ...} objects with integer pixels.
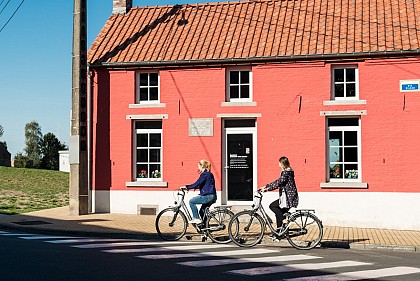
[
  {"x": 156, "y": 174},
  {"x": 142, "y": 174}
]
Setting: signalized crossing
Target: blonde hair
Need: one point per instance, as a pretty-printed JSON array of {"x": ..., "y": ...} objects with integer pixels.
[{"x": 205, "y": 164}]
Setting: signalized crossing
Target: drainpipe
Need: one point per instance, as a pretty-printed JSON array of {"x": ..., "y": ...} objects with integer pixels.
[{"x": 89, "y": 137}]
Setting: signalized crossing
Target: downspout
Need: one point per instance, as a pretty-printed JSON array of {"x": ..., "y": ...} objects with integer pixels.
[{"x": 89, "y": 138}]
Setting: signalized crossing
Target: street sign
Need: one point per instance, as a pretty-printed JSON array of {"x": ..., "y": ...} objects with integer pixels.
[{"x": 409, "y": 86}]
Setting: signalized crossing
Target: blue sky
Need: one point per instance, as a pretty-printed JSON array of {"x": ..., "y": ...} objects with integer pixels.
[{"x": 35, "y": 63}]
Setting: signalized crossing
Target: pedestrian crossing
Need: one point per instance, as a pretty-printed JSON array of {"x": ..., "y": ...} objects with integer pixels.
[{"x": 264, "y": 262}]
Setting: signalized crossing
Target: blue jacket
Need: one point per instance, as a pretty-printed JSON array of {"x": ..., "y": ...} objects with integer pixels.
[{"x": 205, "y": 183}]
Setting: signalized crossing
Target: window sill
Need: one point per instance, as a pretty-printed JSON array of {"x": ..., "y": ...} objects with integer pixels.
[
  {"x": 343, "y": 102},
  {"x": 238, "y": 103},
  {"x": 344, "y": 185},
  {"x": 146, "y": 105},
  {"x": 146, "y": 184}
]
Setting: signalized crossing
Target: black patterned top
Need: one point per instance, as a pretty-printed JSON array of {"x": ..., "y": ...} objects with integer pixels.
[{"x": 286, "y": 182}]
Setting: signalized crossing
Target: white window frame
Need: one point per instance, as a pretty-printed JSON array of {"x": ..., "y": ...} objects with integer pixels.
[
  {"x": 228, "y": 84},
  {"x": 333, "y": 83},
  {"x": 138, "y": 101},
  {"x": 359, "y": 149},
  {"x": 135, "y": 162}
]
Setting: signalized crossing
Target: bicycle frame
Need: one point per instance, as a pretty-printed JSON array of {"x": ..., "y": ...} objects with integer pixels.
[
  {"x": 182, "y": 207},
  {"x": 259, "y": 207}
]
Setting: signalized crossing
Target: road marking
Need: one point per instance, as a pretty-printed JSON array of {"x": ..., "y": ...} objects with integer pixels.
[
  {"x": 184, "y": 247},
  {"x": 218, "y": 253},
  {"x": 361, "y": 275},
  {"x": 295, "y": 267},
  {"x": 39, "y": 237},
  {"x": 15, "y": 234},
  {"x": 129, "y": 243},
  {"x": 69, "y": 241},
  {"x": 205, "y": 263}
]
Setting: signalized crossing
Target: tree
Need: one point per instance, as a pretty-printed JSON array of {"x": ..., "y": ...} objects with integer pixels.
[
  {"x": 50, "y": 146},
  {"x": 21, "y": 161},
  {"x": 33, "y": 138}
]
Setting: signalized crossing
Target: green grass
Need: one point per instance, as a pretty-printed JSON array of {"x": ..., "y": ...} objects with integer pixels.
[{"x": 26, "y": 190}]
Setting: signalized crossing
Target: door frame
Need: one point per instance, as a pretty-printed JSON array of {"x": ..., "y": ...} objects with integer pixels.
[{"x": 239, "y": 130}]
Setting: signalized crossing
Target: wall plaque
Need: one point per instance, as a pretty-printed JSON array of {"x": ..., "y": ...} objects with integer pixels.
[{"x": 201, "y": 127}]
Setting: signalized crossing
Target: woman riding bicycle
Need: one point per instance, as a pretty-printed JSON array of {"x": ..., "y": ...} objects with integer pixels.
[
  {"x": 287, "y": 188},
  {"x": 207, "y": 197}
]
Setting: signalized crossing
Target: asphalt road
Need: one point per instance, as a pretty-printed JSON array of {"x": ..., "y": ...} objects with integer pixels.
[{"x": 39, "y": 257}]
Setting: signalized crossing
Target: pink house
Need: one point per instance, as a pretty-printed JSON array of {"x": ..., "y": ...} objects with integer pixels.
[{"x": 333, "y": 85}]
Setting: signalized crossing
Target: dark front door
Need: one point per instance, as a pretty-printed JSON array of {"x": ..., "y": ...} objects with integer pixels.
[{"x": 239, "y": 167}]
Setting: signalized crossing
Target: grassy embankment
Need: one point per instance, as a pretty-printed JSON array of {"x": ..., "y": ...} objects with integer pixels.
[{"x": 26, "y": 190}]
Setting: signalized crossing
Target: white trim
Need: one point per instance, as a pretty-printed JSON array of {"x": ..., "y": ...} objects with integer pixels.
[
  {"x": 234, "y": 103},
  {"x": 343, "y": 102},
  {"x": 361, "y": 185},
  {"x": 146, "y": 116},
  {"x": 228, "y": 98},
  {"x": 343, "y": 113},
  {"x": 344, "y": 83},
  {"x": 148, "y": 102},
  {"x": 146, "y": 184},
  {"x": 147, "y": 105},
  {"x": 238, "y": 115},
  {"x": 240, "y": 130}
]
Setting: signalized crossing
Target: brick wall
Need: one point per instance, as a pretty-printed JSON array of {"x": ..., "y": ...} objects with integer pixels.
[{"x": 290, "y": 99}]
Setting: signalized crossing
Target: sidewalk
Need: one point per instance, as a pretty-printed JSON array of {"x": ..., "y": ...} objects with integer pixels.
[{"x": 58, "y": 221}]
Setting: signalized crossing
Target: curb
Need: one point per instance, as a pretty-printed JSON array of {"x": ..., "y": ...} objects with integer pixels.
[{"x": 357, "y": 246}]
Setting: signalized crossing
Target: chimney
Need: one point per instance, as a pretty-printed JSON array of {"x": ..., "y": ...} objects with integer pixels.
[{"x": 121, "y": 6}]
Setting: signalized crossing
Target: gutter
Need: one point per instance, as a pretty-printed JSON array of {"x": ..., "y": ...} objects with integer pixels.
[{"x": 259, "y": 60}]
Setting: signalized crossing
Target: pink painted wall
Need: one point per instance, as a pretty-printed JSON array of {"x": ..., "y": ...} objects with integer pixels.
[{"x": 290, "y": 98}]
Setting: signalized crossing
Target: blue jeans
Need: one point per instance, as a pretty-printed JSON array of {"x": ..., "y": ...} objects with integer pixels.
[{"x": 205, "y": 202}]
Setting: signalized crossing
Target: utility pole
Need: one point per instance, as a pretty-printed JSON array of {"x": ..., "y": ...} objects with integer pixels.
[{"x": 79, "y": 188}]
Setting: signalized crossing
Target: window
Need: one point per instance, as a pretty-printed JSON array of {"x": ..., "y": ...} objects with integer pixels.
[
  {"x": 148, "y": 150},
  {"x": 148, "y": 88},
  {"x": 239, "y": 85},
  {"x": 345, "y": 83},
  {"x": 344, "y": 149}
]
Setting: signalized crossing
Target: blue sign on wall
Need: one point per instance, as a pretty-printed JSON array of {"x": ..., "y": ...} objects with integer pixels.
[{"x": 409, "y": 85}]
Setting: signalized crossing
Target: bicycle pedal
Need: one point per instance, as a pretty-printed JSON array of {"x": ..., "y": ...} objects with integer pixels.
[{"x": 188, "y": 237}]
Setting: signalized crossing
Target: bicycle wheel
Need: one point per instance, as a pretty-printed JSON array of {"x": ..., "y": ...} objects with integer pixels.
[
  {"x": 217, "y": 225},
  {"x": 305, "y": 231},
  {"x": 171, "y": 224},
  {"x": 246, "y": 229}
]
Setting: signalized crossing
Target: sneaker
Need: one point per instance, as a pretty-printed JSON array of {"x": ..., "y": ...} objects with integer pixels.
[
  {"x": 196, "y": 221},
  {"x": 274, "y": 238}
]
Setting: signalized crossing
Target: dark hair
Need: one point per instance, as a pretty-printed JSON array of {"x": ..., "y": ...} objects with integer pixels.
[{"x": 284, "y": 161}]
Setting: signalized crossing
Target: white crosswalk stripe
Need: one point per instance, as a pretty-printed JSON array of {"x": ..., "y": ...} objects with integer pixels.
[
  {"x": 206, "y": 263},
  {"x": 361, "y": 275},
  {"x": 16, "y": 234},
  {"x": 228, "y": 253},
  {"x": 295, "y": 267},
  {"x": 83, "y": 240},
  {"x": 44, "y": 237},
  {"x": 184, "y": 247},
  {"x": 124, "y": 244}
]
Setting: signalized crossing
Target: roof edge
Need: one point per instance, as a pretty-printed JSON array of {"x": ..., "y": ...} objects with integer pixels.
[{"x": 256, "y": 60}]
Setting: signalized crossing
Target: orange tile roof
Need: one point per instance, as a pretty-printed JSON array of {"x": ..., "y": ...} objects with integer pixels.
[{"x": 261, "y": 29}]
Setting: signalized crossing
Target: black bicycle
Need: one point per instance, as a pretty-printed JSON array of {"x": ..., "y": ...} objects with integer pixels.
[
  {"x": 172, "y": 222},
  {"x": 303, "y": 230}
]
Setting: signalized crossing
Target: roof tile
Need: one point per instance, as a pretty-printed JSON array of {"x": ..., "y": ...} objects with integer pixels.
[{"x": 257, "y": 29}]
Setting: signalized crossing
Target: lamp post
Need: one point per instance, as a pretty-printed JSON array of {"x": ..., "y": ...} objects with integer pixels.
[{"x": 79, "y": 188}]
